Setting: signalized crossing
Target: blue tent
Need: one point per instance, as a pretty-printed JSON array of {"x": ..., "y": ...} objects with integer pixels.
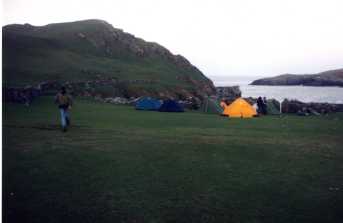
[
  {"x": 147, "y": 103},
  {"x": 170, "y": 106}
]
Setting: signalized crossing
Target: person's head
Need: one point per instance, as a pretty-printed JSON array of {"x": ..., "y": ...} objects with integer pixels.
[{"x": 63, "y": 90}]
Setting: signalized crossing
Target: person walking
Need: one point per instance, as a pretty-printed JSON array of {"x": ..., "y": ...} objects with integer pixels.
[{"x": 64, "y": 102}]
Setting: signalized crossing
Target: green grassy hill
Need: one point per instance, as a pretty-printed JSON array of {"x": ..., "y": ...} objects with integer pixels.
[
  {"x": 117, "y": 164},
  {"x": 93, "y": 50}
]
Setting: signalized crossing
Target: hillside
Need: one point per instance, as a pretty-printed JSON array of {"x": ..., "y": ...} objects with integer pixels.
[
  {"x": 96, "y": 57},
  {"x": 327, "y": 78}
]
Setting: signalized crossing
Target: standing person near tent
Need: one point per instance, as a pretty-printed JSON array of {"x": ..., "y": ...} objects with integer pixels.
[
  {"x": 223, "y": 103},
  {"x": 64, "y": 102},
  {"x": 259, "y": 105}
]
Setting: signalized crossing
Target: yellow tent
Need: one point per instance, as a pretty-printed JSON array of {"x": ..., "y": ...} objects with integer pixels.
[{"x": 240, "y": 108}]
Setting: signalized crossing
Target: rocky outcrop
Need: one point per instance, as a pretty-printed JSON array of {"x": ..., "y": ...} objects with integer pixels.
[
  {"x": 229, "y": 92},
  {"x": 327, "y": 78}
]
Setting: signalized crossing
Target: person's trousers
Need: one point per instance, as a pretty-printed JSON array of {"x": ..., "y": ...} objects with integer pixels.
[{"x": 64, "y": 116}]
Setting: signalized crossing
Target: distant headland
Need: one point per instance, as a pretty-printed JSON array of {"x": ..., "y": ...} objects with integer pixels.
[{"x": 327, "y": 78}]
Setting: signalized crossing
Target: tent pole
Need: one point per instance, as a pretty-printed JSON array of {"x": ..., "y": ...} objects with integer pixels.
[{"x": 280, "y": 107}]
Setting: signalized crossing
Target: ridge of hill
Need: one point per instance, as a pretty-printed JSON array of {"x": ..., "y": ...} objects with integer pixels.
[
  {"x": 90, "y": 52},
  {"x": 326, "y": 78}
]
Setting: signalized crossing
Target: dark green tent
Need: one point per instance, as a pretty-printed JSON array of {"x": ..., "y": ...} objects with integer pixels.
[
  {"x": 211, "y": 106},
  {"x": 273, "y": 107}
]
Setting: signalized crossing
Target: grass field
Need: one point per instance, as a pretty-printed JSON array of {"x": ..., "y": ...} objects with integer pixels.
[{"x": 117, "y": 164}]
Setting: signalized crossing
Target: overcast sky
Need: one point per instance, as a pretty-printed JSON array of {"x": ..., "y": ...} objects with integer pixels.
[{"x": 221, "y": 38}]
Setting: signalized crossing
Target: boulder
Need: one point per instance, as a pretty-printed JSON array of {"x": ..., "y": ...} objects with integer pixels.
[{"x": 229, "y": 93}]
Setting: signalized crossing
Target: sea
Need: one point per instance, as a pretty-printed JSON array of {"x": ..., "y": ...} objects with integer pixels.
[{"x": 301, "y": 93}]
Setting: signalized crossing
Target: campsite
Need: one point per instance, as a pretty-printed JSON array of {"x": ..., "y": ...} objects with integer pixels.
[
  {"x": 172, "y": 111},
  {"x": 119, "y": 164}
]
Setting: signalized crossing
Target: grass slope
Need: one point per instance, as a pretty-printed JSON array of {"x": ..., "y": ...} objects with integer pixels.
[
  {"x": 121, "y": 165},
  {"x": 57, "y": 52}
]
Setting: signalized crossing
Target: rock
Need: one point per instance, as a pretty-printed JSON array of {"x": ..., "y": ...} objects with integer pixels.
[
  {"x": 229, "y": 93},
  {"x": 116, "y": 100},
  {"x": 81, "y": 35}
]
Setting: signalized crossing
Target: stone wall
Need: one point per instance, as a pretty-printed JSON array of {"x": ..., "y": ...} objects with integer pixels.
[
  {"x": 294, "y": 106},
  {"x": 20, "y": 95}
]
